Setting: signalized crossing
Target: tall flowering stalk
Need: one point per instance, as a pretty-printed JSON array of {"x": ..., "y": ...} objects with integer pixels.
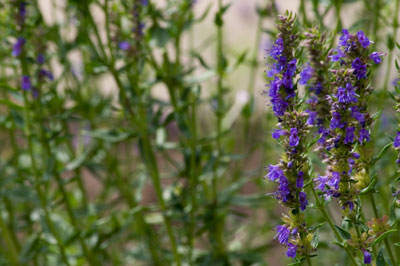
[
  {"x": 348, "y": 134},
  {"x": 289, "y": 174},
  {"x": 315, "y": 76}
]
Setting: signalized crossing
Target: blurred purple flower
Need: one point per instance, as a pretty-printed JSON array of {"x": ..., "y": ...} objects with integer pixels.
[
  {"x": 26, "y": 83},
  {"x": 17, "y": 47}
]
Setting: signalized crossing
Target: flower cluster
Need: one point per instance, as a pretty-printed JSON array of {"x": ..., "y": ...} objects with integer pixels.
[
  {"x": 19, "y": 51},
  {"x": 291, "y": 173},
  {"x": 349, "y": 123},
  {"x": 137, "y": 28},
  {"x": 316, "y": 79}
]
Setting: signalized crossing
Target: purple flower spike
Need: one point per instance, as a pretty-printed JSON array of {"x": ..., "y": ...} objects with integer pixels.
[
  {"x": 367, "y": 257},
  {"x": 124, "y": 45},
  {"x": 292, "y": 250},
  {"x": 26, "y": 83},
  {"x": 293, "y": 139},
  {"x": 17, "y": 47},
  {"x": 364, "y": 41},
  {"x": 282, "y": 234}
]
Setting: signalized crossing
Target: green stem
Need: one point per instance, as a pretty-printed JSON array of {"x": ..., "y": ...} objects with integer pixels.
[
  {"x": 308, "y": 259},
  {"x": 386, "y": 241},
  {"x": 303, "y": 12},
  {"x": 320, "y": 206},
  {"x": 217, "y": 231},
  {"x": 41, "y": 195},
  {"x": 11, "y": 246},
  {"x": 390, "y": 56}
]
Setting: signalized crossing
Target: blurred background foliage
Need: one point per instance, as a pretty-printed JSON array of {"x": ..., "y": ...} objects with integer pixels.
[{"x": 148, "y": 147}]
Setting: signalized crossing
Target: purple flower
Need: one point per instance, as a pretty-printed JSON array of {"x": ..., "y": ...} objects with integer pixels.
[
  {"x": 363, "y": 135},
  {"x": 336, "y": 57},
  {"x": 279, "y": 106},
  {"x": 17, "y": 47},
  {"x": 396, "y": 142},
  {"x": 335, "y": 121},
  {"x": 357, "y": 115},
  {"x": 40, "y": 59},
  {"x": 351, "y": 161},
  {"x": 292, "y": 249},
  {"x": 291, "y": 67},
  {"x": 312, "y": 115},
  {"x": 145, "y": 2},
  {"x": 278, "y": 133},
  {"x": 343, "y": 39},
  {"x": 303, "y": 200},
  {"x": 274, "y": 87},
  {"x": 282, "y": 233},
  {"x": 283, "y": 191},
  {"x": 334, "y": 180},
  {"x": 22, "y": 10},
  {"x": 293, "y": 139},
  {"x": 349, "y": 138},
  {"x": 277, "y": 49},
  {"x": 26, "y": 83},
  {"x": 360, "y": 70},
  {"x": 376, "y": 57},
  {"x": 346, "y": 95},
  {"x": 306, "y": 74},
  {"x": 124, "y": 45},
  {"x": 321, "y": 182},
  {"x": 300, "y": 179},
  {"x": 367, "y": 257},
  {"x": 364, "y": 41},
  {"x": 46, "y": 73},
  {"x": 355, "y": 155},
  {"x": 274, "y": 172}
]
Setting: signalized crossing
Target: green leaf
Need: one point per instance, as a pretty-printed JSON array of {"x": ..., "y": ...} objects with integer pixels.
[
  {"x": 343, "y": 233},
  {"x": 380, "y": 259},
  {"x": 381, "y": 153},
  {"x": 381, "y": 237},
  {"x": 315, "y": 239},
  {"x": 11, "y": 104},
  {"x": 370, "y": 186}
]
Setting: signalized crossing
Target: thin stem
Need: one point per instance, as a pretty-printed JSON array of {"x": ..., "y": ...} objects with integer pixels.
[
  {"x": 308, "y": 259},
  {"x": 332, "y": 226},
  {"x": 303, "y": 13},
  {"x": 217, "y": 231},
  {"x": 386, "y": 242},
  {"x": 41, "y": 195},
  {"x": 390, "y": 56},
  {"x": 12, "y": 248}
]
